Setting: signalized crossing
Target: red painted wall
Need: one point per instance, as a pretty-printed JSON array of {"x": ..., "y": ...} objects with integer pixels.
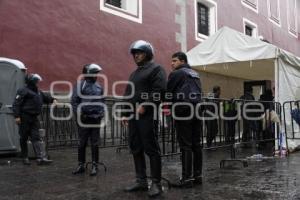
[{"x": 55, "y": 38}]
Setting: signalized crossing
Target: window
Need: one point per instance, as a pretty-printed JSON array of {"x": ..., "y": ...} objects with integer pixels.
[
  {"x": 274, "y": 11},
  {"x": 292, "y": 17},
  {"x": 251, "y": 4},
  {"x": 205, "y": 18},
  {"x": 203, "y": 13},
  {"x": 250, "y": 28},
  {"x": 116, "y": 3},
  {"x": 128, "y": 9}
]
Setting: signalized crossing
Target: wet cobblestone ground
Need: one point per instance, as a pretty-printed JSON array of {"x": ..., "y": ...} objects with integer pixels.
[{"x": 267, "y": 179}]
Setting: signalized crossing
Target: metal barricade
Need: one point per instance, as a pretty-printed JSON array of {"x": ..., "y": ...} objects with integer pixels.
[
  {"x": 291, "y": 126},
  {"x": 64, "y": 132},
  {"x": 257, "y": 124},
  {"x": 229, "y": 127}
]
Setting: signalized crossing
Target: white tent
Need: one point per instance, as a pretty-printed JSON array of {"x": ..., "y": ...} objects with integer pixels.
[{"x": 231, "y": 53}]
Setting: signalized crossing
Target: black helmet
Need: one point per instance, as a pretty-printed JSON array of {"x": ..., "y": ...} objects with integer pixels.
[
  {"x": 143, "y": 46},
  {"x": 33, "y": 79},
  {"x": 91, "y": 69}
]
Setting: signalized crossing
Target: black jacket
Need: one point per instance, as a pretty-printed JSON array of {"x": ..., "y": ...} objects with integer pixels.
[
  {"x": 29, "y": 100},
  {"x": 149, "y": 84},
  {"x": 184, "y": 84},
  {"x": 248, "y": 97}
]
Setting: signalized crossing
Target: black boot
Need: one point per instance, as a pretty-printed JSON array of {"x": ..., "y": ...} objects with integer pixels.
[
  {"x": 186, "y": 180},
  {"x": 155, "y": 189},
  {"x": 94, "y": 169},
  {"x": 26, "y": 161},
  {"x": 197, "y": 165},
  {"x": 155, "y": 166},
  {"x": 44, "y": 161},
  {"x": 141, "y": 178},
  {"x": 24, "y": 148},
  {"x": 138, "y": 185},
  {"x": 80, "y": 169},
  {"x": 40, "y": 152},
  {"x": 95, "y": 154}
]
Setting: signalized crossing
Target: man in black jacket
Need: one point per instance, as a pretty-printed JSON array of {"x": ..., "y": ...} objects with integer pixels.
[
  {"x": 27, "y": 107},
  {"x": 212, "y": 125},
  {"x": 149, "y": 81},
  {"x": 249, "y": 126},
  {"x": 88, "y": 106},
  {"x": 185, "y": 86}
]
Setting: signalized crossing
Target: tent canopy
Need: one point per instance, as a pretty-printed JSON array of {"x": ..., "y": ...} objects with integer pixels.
[
  {"x": 231, "y": 53},
  {"x": 228, "y": 45}
]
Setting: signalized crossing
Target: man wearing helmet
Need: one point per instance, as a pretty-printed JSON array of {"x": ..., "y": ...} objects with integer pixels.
[
  {"x": 27, "y": 107},
  {"x": 88, "y": 116},
  {"x": 149, "y": 80}
]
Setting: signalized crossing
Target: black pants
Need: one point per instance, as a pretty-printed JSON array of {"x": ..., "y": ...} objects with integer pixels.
[
  {"x": 29, "y": 128},
  {"x": 189, "y": 133},
  {"x": 250, "y": 130},
  {"x": 212, "y": 131},
  {"x": 143, "y": 140},
  {"x": 84, "y": 134},
  {"x": 229, "y": 128}
]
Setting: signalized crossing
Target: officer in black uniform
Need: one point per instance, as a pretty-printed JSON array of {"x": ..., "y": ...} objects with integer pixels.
[
  {"x": 88, "y": 116},
  {"x": 185, "y": 86},
  {"x": 149, "y": 80},
  {"x": 27, "y": 107},
  {"x": 249, "y": 126},
  {"x": 212, "y": 125}
]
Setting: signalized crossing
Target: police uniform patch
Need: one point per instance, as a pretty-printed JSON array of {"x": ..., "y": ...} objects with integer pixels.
[
  {"x": 194, "y": 74},
  {"x": 18, "y": 96}
]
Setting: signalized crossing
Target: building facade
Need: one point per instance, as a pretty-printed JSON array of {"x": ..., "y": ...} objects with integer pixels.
[{"x": 56, "y": 38}]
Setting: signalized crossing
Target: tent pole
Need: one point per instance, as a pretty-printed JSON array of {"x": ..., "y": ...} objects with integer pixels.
[{"x": 276, "y": 79}]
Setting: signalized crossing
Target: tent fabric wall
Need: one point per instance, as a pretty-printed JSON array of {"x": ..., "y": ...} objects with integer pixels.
[
  {"x": 12, "y": 73},
  {"x": 289, "y": 90}
]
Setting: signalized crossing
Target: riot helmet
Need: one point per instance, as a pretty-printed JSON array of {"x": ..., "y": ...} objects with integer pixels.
[
  {"x": 144, "y": 46},
  {"x": 91, "y": 69},
  {"x": 33, "y": 79}
]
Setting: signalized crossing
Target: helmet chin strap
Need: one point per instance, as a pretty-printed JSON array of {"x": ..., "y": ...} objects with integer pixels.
[
  {"x": 92, "y": 79},
  {"x": 143, "y": 62},
  {"x": 32, "y": 86}
]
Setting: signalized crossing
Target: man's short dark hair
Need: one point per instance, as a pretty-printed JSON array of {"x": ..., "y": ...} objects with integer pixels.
[
  {"x": 216, "y": 88},
  {"x": 181, "y": 56},
  {"x": 248, "y": 89}
]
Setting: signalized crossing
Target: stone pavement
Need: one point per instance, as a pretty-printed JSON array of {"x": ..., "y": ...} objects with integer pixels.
[{"x": 268, "y": 179}]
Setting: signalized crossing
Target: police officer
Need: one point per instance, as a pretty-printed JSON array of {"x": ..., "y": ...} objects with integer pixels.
[
  {"x": 88, "y": 116},
  {"x": 185, "y": 87},
  {"x": 149, "y": 80},
  {"x": 249, "y": 126},
  {"x": 212, "y": 125},
  {"x": 27, "y": 107}
]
